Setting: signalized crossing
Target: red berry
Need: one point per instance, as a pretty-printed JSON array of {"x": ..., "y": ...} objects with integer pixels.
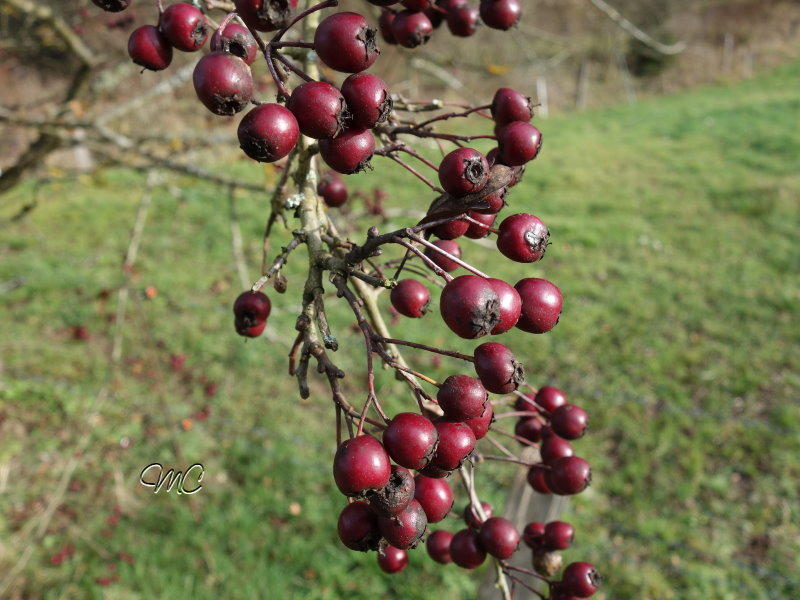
[
  {"x": 410, "y": 439},
  {"x": 499, "y": 537},
  {"x": 570, "y": 421},
  {"x": 523, "y": 238},
  {"x": 470, "y": 306},
  {"x": 319, "y": 108},
  {"x": 451, "y": 229},
  {"x": 510, "y": 305},
  {"x": 446, "y": 264},
  {"x": 537, "y": 478},
  {"x": 416, "y": 5},
  {"x": 569, "y": 475},
  {"x": 509, "y": 105},
  {"x": 410, "y": 298},
  {"x": 438, "y": 546},
  {"x": 519, "y": 142},
  {"x": 383, "y": 2},
  {"x": 250, "y": 311},
  {"x": 498, "y": 368},
  {"x": 350, "y": 152},
  {"x": 184, "y": 25},
  {"x": 345, "y": 42},
  {"x": 385, "y": 26},
  {"x": 360, "y": 465},
  {"x": 392, "y": 560},
  {"x": 435, "y": 472},
  {"x": 462, "y": 21},
  {"x": 265, "y": 15},
  {"x": 558, "y": 535},
  {"x": 223, "y": 83},
  {"x": 237, "y": 40},
  {"x": 148, "y": 48},
  {"x": 475, "y": 231},
  {"x": 533, "y": 534},
  {"x": 435, "y": 496},
  {"x": 550, "y": 398},
  {"x": 358, "y": 527},
  {"x": 471, "y": 517},
  {"x": 333, "y": 189},
  {"x": 500, "y": 14},
  {"x": 462, "y": 397},
  {"x": 405, "y": 529},
  {"x": 436, "y": 17},
  {"x": 456, "y": 442},
  {"x": 411, "y": 29},
  {"x": 526, "y": 403},
  {"x": 541, "y": 305},
  {"x": 581, "y": 579},
  {"x": 112, "y": 5},
  {"x": 396, "y": 495},
  {"x": 268, "y": 133},
  {"x": 494, "y": 201},
  {"x": 463, "y": 171},
  {"x": 553, "y": 448},
  {"x": 367, "y": 98},
  {"x": 529, "y": 428},
  {"x": 480, "y": 425},
  {"x": 466, "y": 551}
]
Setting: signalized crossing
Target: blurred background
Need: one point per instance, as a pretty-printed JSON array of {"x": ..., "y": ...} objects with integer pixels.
[{"x": 669, "y": 179}]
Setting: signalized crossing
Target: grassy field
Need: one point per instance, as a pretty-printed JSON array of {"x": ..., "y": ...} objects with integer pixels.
[{"x": 675, "y": 243}]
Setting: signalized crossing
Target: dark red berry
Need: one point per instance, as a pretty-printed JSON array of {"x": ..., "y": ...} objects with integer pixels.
[
  {"x": 462, "y": 397},
  {"x": 499, "y": 537},
  {"x": 367, "y": 98},
  {"x": 320, "y": 109},
  {"x": 250, "y": 311},
  {"x": 416, "y": 5},
  {"x": 148, "y": 48},
  {"x": 358, "y": 527},
  {"x": 498, "y": 369},
  {"x": 581, "y": 579},
  {"x": 392, "y": 560},
  {"x": 553, "y": 448},
  {"x": 396, "y": 495},
  {"x": 436, "y": 16},
  {"x": 558, "y": 591},
  {"x": 471, "y": 517},
  {"x": 526, "y": 403},
  {"x": 509, "y": 105},
  {"x": 533, "y": 534},
  {"x": 223, "y": 83},
  {"x": 410, "y": 298},
  {"x": 569, "y": 421},
  {"x": 463, "y": 171},
  {"x": 383, "y": 2},
  {"x": 462, "y": 21},
  {"x": 268, "y": 133},
  {"x": 345, "y": 42},
  {"x": 360, "y": 465},
  {"x": 448, "y": 5},
  {"x": 519, "y": 142},
  {"x": 456, "y": 442},
  {"x": 494, "y": 201},
  {"x": 529, "y": 428},
  {"x": 411, "y": 29},
  {"x": 410, "y": 439},
  {"x": 480, "y": 425},
  {"x": 541, "y": 305},
  {"x": 112, "y": 5},
  {"x": 550, "y": 398},
  {"x": 184, "y": 25},
  {"x": 405, "y": 529},
  {"x": 446, "y": 264},
  {"x": 558, "y": 535},
  {"x": 569, "y": 475},
  {"x": 510, "y": 305},
  {"x": 537, "y": 478},
  {"x": 265, "y": 15},
  {"x": 475, "y": 231},
  {"x": 435, "y": 496},
  {"x": 500, "y": 14},
  {"x": 438, "y": 546},
  {"x": 435, "y": 472},
  {"x": 385, "y": 25},
  {"x": 350, "y": 152},
  {"x": 466, "y": 551},
  {"x": 470, "y": 306},
  {"x": 451, "y": 229},
  {"x": 523, "y": 238},
  {"x": 236, "y": 40},
  {"x": 333, "y": 189}
]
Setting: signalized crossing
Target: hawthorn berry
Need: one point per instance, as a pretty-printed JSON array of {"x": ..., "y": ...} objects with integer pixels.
[
  {"x": 223, "y": 83},
  {"x": 471, "y": 517},
  {"x": 392, "y": 560},
  {"x": 470, "y": 306},
  {"x": 184, "y": 25},
  {"x": 494, "y": 201},
  {"x": 558, "y": 535},
  {"x": 466, "y": 551},
  {"x": 358, "y": 527},
  {"x": 435, "y": 472},
  {"x": 438, "y": 546},
  {"x": 367, "y": 98},
  {"x": 456, "y": 442},
  {"x": 350, "y": 152},
  {"x": 435, "y": 15},
  {"x": 320, "y": 109},
  {"x": 569, "y": 475},
  {"x": 541, "y": 305},
  {"x": 480, "y": 425},
  {"x": 537, "y": 478},
  {"x": 550, "y": 398},
  {"x": 435, "y": 496},
  {"x": 148, "y": 48},
  {"x": 510, "y": 305},
  {"x": 405, "y": 529},
  {"x": 383, "y": 2},
  {"x": 462, "y": 20},
  {"x": 569, "y": 421},
  {"x": 581, "y": 579},
  {"x": 448, "y": 265},
  {"x": 265, "y": 15},
  {"x": 476, "y": 231},
  {"x": 410, "y": 440},
  {"x": 360, "y": 465},
  {"x": 268, "y": 133},
  {"x": 411, "y": 29},
  {"x": 450, "y": 230},
  {"x": 333, "y": 189},
  {"x": 533, "y": 534},
  {"x": 519, "y": 142},
  {"x": 396, "y": 495},
  {"x": 526, "y": 403},
  {"x": 499, "y": 537},
  {"x": 385, "y": 26},
  {"x": 498, "y": 369},
  {"x": 345, "y": 42},
  {"x": 112, "y": 5},
  {"x": 410, "y": 298},
  {"x": 462, "y": 397},
  {"x": 250, "y": 311},
  {"x": 509, "y": 105},
  {"x": 237, "y": 40},
  {"x": 554, "y": 447},
  {"x": 463, "y": 171},
  {"x": 523, "y": 238},
  {"x": 529, "y": 428},
  {"x": 416, "y": 5},
  {"x": 500, "y": 14}
]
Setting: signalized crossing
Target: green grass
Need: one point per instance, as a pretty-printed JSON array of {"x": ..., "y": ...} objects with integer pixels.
[{"x": 675, "y": 244}]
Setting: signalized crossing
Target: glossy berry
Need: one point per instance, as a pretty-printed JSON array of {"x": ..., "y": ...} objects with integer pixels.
[
  {"x": 519, "y": 143},
  {"x": 350, "y": 152},
  {"x": 456, "y": 442},
  {"x": 466, "y": 551},
  {"x": 436, "y": 17},
  {"x": 268, "y": 133},
  {"x": 405, "y": 529},
  {"x": 367, "y": 99},
  {"x": 462, "y": 397},
  {"x": 446, "y": 264},
  {"x": 345, "y": 42},
  {"x": 541, "y": 305},
  {"x": 435, "y": 496},
  {"x": 523, "y": 238},
  {"x": 480, "y": 425},
  {"x": 360, "y": 465},
  {"x": 569, "y": 475},
  {"x": 333, "y": 190},
  {"x": 463, "y": 171},
  {"x": 320, "y": 109},
  {"x": 411, "y": 29},
  {"x": 509, "y": 105},
  {"x": 223, "y": 83},
  {"x": 438, "y": 546},
  {"x": 537, "y": 479},
  {"x": 471, "y": 517},
  {"x": 450, "y": 230},
  {"x": 395, "y": 496},
  {"x": 435, "y": 472},
  {"x": 416, "y": 5},
  {"x": 558, "y": 535},
  {"x": 526, "y": 403},
  {"x": 462, "y": 21},
  {"x": 470, "y": 306},
  {"x": 148, "y": 48},
  {"x": 358, "y": 527},
  {"x": 410, "y": 298},
  {"x": 580, "y": 579},
  {"x": 385, "y": 26},
  {"x": 494, "y": 201},
  {"x": 475, "y": 231},
  {"x": 392, "y": 560},
  {"x": 184, "y": 25},
  {"x": 250, "y": 312},
  {"x": 112, "y": 5},
  {"x": 410, "y": 439},
  {"x": 529, "y": 428},
  {"x": 550, "y": 398},
  {"x": 554, "y": 448},
  {"x": 265, "y": 15},
  {"x": 500, "y": 14},
  {"x": 533, "y": 534},
  {"x": 237, "y": 40},
  {"x": 499, "y": 537},
  {"x": 498, "y": 369},
  {"x": 569, "y": 421},
  {"x": 510, "y": 305}
]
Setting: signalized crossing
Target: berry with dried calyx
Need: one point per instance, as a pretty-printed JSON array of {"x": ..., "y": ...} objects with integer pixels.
[
  {"x": 319, "y": 108},
  {"x": 541, "y": 305},
  {"x": 184, "y": 25},
  {"x": 395, "y": 496},
  {"x": 265, "y": 15},
  {"x": 411, "y": 29},
  {"x": 237, "y": 40},
  {"x": 462, "y": 397},
  {"x": 268, "y": 133},
  {"x": 410, "y": 298},
  {"x": 509, "y": 105},
  {"x": 523, "y": 238},
  {"x": 405, "y": 529},
  {"x": 350, "y": 152},
  {"x": 345, "y": 42},
  {"x": 580, "y": 579},
  {"x": 470, "y": 306},
  {"x": 367, "y": 99},
  {"x": 410, "y": 439},
  {"x": 358, "y": 527},
  {"x": 223, "y": 83},
  {"x": 456, "y": 442},
  {"x": 148, "y": 48},
  {"x": 498, "y": 369},
  {"x": 463, "y": 171},
  {"x": 361, "y": 465}
]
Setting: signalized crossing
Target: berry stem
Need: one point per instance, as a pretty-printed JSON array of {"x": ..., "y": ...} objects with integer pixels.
[
  {"x": 452, "y": 115},
  {"x": 512, "y": 459},
  {"x": 450, "y": 353},
  {"x": 452, "y": 257},
  {"x": 322, "y": 5}
]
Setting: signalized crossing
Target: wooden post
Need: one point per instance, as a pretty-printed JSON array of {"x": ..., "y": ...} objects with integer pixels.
[
  {"x": 582, "y": 86},
  {"x": 541, "y": 96}
]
